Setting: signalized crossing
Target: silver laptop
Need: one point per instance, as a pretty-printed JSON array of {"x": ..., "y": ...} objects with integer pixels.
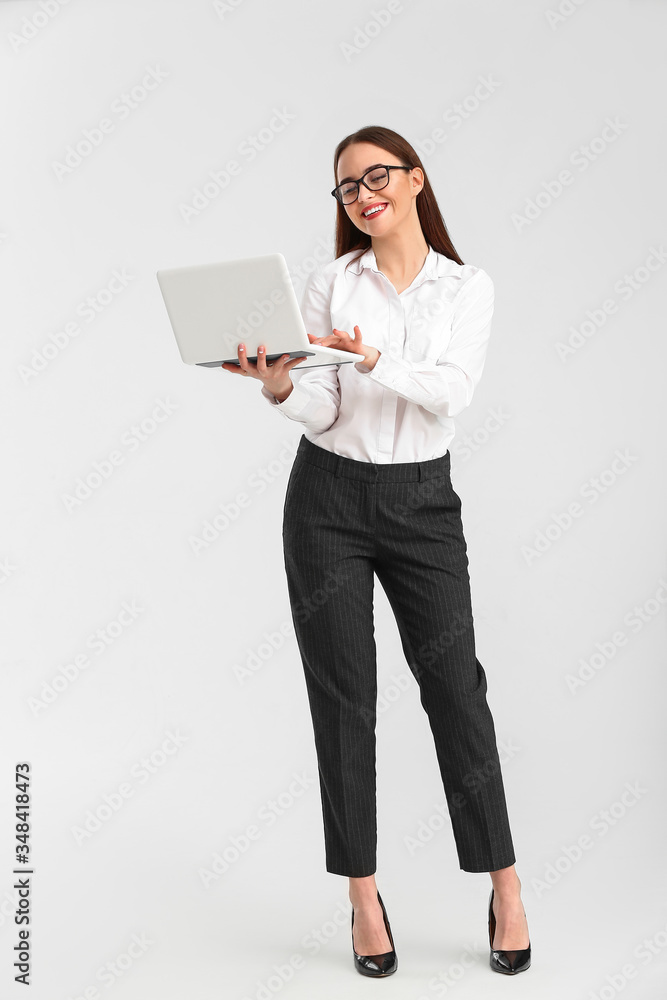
[{"x": 214, "y": 307}]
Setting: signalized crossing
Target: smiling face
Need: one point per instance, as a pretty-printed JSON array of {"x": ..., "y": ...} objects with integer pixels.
[{"x": 396, "y": 201}]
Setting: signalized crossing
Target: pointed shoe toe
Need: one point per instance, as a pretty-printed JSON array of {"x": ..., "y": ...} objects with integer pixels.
[{"x": 509, "y": 961}]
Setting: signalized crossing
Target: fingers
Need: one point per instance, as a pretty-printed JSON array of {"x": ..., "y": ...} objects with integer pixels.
[
  {"x": 263, "y": 366},
  {"x": 333, "y": 339},
  {"x": 263, "y": 369},
  {"x": 243, "y": 361},
  {"x": 291, "y": 363},
  {"x": 268, "y": 370},
  {"x": 247, "y": 367},
  {"x": 243, "y": 366},
  {"x": 261, "y": 361}
]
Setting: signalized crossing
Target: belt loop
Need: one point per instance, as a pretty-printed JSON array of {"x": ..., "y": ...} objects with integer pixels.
[
  {"x": 339, "y": 462},
  {"x": 421, "y": 472}
]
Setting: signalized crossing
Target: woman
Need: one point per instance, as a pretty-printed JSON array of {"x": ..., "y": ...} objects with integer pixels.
[{"x": 370, "y": 492}]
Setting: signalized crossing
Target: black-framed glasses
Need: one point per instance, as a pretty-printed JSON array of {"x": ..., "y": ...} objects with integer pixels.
[{"x": 378, "y": 178}]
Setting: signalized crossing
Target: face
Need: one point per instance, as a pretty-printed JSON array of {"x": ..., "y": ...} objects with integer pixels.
[{"x": 398, "y": 197}]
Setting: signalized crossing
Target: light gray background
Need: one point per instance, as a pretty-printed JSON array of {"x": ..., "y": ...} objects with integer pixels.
[{"x": 543, "y": 429}]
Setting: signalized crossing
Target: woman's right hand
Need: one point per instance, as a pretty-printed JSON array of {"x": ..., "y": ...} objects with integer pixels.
[{"x": 274, "y": 375}]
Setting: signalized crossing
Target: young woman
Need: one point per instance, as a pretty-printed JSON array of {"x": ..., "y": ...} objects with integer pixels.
[{"x": 370, "y": 493}]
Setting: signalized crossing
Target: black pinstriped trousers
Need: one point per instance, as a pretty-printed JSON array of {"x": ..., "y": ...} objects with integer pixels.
[{"x": 343, "y": 521}]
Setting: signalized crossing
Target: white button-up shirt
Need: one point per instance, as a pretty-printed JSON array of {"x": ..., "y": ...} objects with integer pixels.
[{"x": 433, "y": 338}]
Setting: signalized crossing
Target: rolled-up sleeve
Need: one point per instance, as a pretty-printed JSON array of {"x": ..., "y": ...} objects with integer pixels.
[
  {"x": 446, "y": 387},
  {"x": 315, "y": 397}
]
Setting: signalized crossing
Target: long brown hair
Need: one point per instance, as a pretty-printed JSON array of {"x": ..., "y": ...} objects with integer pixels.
[{"x": 348, "y": 237}]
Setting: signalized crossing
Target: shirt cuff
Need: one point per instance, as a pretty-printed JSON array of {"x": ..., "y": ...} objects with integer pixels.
[
  {"x": 295, "y": 403},
  {"x": 386, "y": 370}
]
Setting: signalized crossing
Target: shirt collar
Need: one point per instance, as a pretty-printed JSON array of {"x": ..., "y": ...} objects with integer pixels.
[{"x": 435, "y": 266}]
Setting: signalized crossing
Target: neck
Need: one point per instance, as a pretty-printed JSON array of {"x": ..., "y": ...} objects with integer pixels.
[{"x": 402, "y": 252}]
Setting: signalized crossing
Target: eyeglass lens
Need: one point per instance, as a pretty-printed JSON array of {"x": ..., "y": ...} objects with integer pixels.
[{"x": 376, "y": 180}]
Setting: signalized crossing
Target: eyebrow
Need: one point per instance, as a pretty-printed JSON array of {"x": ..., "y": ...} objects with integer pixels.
[{"x": 345, "y": 179}]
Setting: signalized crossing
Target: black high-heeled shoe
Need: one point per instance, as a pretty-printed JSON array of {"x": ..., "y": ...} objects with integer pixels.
[
  {"x": 376, "y": 965},
  {"x": 512, "y": 961}
]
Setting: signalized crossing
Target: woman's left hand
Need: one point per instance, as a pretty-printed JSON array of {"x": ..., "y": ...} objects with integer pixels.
[{"x": 342, "y": 341}]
